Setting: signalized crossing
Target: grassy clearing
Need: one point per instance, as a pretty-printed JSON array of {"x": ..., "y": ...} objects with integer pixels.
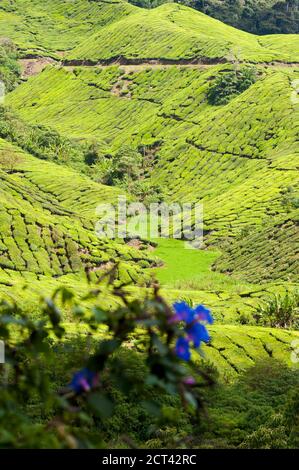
[
  {"x": 187, "y": 275},
  {"x": 181, "y": 262},
  {"x": 191, "y": 269}
]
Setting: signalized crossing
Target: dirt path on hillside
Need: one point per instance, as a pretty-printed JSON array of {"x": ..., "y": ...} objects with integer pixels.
[
  {"x": 34, "y": 65},
  {"x": 30, "y": 67}
]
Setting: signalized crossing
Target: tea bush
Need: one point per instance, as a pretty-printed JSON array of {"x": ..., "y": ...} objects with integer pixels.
[{"x": 230, "y": 84}]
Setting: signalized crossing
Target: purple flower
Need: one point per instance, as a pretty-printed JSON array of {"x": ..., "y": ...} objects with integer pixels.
[
  {"x": 197, "y": 333},
  {"x": 189, "y": 380},
  {"x": 182, "y": 349},
  {"x": 203, "y": 314},
  {"x": 83, "y": 380},
  {"x": 183, "y": 312}
]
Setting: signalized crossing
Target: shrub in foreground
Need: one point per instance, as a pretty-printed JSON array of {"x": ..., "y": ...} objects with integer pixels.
[{"x": 42, "y": 405}]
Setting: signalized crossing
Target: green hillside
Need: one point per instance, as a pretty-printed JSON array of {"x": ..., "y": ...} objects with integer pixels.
[
  {"x": 166, "y": 104},
  {"x": 268, "y": 253},
  {"x": 175, "y": 32},
  {"x": 240, "y": 177},
  {"x": 46, "y": 28},
  {"x": 116, "y": 29}
]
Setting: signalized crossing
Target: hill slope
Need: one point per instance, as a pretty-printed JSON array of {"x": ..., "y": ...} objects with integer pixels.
[
  {"x": 46, "y": 235},
  {"x": 254, "y": 16},
  {"x": 236, "y": 158},
  {"x": 176, "y": 32},
  {"x": 116, "y": 28},
  {"x": 48, "y": 27}
]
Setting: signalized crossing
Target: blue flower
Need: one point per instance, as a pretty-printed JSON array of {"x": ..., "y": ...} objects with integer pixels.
[
  {"x": 83, "y": 380},
  {"x": 182, "y": 349},
  {"x": 183, "y": 312},
  {"x": 195, "y": 330},
  {"x": 203, "y": 314},
  {"x": 197, "y": 333}
]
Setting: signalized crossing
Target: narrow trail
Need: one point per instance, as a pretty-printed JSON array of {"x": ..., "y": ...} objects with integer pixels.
[{"x": 33, "y": 65}]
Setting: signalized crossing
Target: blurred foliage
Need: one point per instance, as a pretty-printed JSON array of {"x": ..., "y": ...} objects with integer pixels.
[
  {"x": 142, "y": 395},
  {"x": 113, "y": 387}
]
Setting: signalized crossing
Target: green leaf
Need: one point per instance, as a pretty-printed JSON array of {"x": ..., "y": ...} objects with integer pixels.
[{"x": 100, "y": 404}]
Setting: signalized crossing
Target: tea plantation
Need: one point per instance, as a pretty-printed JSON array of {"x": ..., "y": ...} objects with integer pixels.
[
  {"x": 118, "y": 77},
  {"x": 105, "y": 30}
]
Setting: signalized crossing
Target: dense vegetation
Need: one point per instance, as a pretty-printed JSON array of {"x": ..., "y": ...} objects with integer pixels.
[
  {"x": 70, "y": 386},
  {"x": 254, "y": 16},
  {"x": 10, "y": 70},
  {"x": 230, "y": 84},
  {"x": 165, "y": 104}
]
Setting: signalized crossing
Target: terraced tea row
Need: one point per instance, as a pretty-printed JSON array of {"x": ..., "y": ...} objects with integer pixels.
[
  {"x": 176, "y": 32},
  {"x": 234, "y": 349},
  {"x": 45, "y": 27}
]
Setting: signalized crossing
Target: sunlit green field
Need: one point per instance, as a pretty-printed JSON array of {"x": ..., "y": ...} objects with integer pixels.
[{"x": 182, "y": 262}]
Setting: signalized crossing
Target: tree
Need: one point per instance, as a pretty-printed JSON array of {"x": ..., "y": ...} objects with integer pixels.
[
  {"x": 147, "y": 192},
  {"x": 10, "y": 71},
  {"x": 124, "y": 167},
  {"x": 92, "y": 154},
  {"x": 127, "y": 162}
]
